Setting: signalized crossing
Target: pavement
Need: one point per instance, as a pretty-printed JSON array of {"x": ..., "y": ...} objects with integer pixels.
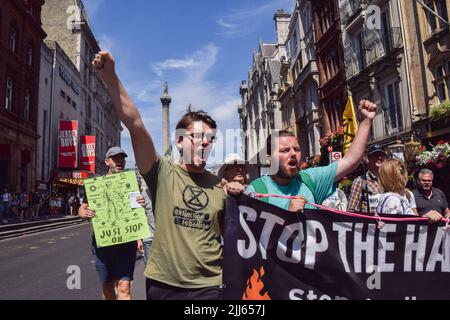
[{"x": 55, "y": 264}]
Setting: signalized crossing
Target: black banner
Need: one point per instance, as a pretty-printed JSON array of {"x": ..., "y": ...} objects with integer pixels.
[{"x": 273, "y": 254}]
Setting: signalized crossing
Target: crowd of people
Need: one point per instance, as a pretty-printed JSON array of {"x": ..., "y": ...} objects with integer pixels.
[
  {"x": 30, "y": 206},
  {"x": 185, "y": 260}
]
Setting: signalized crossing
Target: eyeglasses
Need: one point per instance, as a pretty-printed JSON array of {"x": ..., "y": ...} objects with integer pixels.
[{"x": 197, "y": 137}]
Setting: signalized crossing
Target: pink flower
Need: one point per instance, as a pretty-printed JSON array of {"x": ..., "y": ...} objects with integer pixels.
[{"x": 440, "y": 165}]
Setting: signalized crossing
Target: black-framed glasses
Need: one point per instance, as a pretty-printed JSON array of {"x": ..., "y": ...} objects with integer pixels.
[{"x": 211, "y": 138}]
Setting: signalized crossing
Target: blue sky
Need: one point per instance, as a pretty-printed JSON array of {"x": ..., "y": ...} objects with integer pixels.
[{"x": 203, "y": 48}]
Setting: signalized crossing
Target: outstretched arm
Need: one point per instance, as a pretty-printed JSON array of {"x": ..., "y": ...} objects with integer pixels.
[
  {"x": 354, "y": 155},
  {"x": 144, "y": 149}
]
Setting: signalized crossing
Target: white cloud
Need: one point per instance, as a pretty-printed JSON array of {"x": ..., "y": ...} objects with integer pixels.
[
  {"x": 246, "y": 19},
  {"x": 199, "y": 61}
]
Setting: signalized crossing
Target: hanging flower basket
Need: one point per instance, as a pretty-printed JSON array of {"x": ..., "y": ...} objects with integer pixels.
[
  {"x": 335, "y": 141},
  {"x": 435, "y": 159}
]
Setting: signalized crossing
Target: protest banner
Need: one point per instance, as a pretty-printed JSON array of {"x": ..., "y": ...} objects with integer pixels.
[{"x": 273, "y": 254}]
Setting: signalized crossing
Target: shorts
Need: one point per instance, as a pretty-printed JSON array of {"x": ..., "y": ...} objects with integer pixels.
[{"x": 115, "y": 262}]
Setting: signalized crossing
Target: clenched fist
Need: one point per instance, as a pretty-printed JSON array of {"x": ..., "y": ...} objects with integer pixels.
[
  {"x": 297, "y": 204},
  {"x": 105, "y": 65},
  {"x": 368, "y": 109}
]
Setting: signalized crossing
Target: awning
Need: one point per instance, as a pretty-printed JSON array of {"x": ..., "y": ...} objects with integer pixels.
[{"x": 70, "y": 177}]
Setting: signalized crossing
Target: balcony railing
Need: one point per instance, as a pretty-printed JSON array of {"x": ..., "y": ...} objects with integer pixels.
[
  {"x": 352, "y": 68},
  {"x": 383, "y": 45},
  {"x": 351, "y": 8}
]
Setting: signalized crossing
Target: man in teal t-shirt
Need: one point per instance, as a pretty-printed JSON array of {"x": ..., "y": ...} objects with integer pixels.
[
  {"x": 311, "y": 185},
  {"x": 322, "y": 181}
]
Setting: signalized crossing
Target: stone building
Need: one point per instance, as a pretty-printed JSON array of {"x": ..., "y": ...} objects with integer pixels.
[
  {"x": 260, "y": 112},
  {"x": 21, "y": 35},
  {"x": 59, "y": 99},
  {"x": 66, "y": 22}
]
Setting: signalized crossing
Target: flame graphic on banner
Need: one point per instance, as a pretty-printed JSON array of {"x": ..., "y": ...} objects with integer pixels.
[{"x": 255, "y": 286}]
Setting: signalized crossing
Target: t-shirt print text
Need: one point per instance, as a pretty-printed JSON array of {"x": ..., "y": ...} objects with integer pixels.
[{"x": 195, "y": 200}]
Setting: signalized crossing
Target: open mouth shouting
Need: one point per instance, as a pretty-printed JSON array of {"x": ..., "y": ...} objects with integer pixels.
[{"x": 292, "y": 164}]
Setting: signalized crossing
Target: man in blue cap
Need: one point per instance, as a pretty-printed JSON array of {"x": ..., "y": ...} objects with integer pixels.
[
  {"x": 114, "y": 264},
  {"x": 365, "y": 190}
]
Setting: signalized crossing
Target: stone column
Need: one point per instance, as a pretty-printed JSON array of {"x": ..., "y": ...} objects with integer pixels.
[{"x": 165, "y": 101}]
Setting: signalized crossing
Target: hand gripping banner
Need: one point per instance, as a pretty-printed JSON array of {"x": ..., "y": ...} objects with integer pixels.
[{"x": 273, "y": 254}]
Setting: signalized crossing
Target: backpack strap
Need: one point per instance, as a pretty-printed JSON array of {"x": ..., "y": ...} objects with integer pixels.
[{"x": 260, "y": 187}]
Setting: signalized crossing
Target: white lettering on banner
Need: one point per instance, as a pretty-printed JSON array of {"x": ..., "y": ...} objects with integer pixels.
[
  {"x": 440, "y": 252},
  {"x": 271, "y": 220},
  {"x": 313, "y": 246},
  {"x": 282, "y": 247},
  {"x": 299, "y": 294},
  {"x": 383, "y": 246},
  {"x": 418, "y": 247},
  {"x": 250, "y": 251},
  {"x": 342, "y": 228},
  {"x": 367, "y": 246},
  {"x": 363, "y": 238}
]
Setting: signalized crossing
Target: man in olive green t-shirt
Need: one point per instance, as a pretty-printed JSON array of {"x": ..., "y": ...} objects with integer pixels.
[{"x": 188, "y": 201}]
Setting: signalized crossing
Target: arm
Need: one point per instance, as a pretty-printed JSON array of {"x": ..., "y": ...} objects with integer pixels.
[
  {"x": 354, "y": 155},
  {"x": 144, "y": 149}
]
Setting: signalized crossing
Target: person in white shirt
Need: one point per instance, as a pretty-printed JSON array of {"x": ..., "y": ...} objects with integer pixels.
[{"x": 396, "y": 199}]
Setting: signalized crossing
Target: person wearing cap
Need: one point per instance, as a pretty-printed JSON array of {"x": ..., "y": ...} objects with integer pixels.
[
  {"x": 234, "y": 169},
  {"x": 114, "y": 264},
  {"x": 366, "y": 191}
]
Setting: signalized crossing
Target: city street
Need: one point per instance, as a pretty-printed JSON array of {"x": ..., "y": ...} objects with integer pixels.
[{"x": 35, "y": 267}]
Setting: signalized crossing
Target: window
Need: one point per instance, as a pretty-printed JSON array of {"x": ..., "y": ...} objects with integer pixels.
[
  {"x": 9, "y": 94},
  {"x": 69, "y": 100},
  {"x": 74, "y": 104},
  {"x": 441, "y": 7},
  {"x": 385, "y": 31},
  {"x": 360, "y": 50},
  {"x": 26, "y": 106},
  {"x": 442, "y": 80},
  {"x": 30, "y": 56},
  {"x": 393, "y": 108},
  {"x": 13, "y": 39},
  {"x": 63, "y": 94}
]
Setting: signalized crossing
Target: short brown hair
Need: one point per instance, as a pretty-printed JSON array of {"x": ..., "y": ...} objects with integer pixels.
[
  {"x": 393, "y": 176},
  {"x": 277, "y": 134},
  {"x": 190, "y": 117}
]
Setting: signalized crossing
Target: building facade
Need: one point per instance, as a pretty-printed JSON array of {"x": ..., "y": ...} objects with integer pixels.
[
  {"x": 330, "y": 63},
  {"x": 427, "y": 33},
  {"x": 376, "y": 63},
  {"x": 305, "y": 79},
  {"x": 59, "y": 99},
  {"x": 66, "y": 22},
  {"x": 21, "y": 35},
  {"x": 261, "y": 112}
]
